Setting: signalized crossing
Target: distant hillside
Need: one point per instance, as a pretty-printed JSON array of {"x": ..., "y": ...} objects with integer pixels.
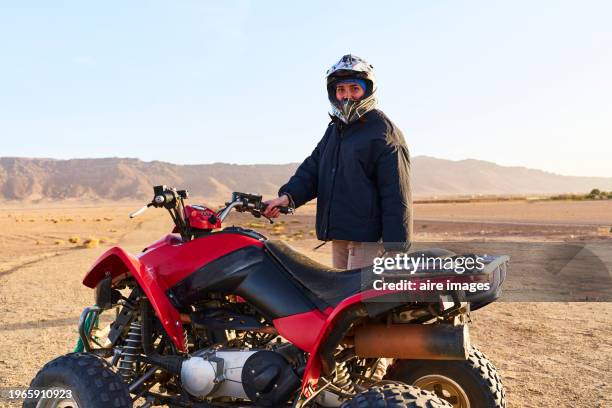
[{"x": 33, "y": 180}]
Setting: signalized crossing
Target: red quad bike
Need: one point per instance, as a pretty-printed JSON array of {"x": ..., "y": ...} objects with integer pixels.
[{"x": 223, "y": 317}]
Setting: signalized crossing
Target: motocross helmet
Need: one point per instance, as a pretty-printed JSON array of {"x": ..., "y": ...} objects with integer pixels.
[{"x": 351, "y": 67}]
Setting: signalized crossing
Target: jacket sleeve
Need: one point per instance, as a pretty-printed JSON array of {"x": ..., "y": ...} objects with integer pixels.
[
  {"x": 393, "y": 183},
  {"x": 303, "y": 185}
]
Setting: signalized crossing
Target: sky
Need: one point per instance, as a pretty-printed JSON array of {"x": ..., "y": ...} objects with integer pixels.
[{"x": 518, "y": 83}]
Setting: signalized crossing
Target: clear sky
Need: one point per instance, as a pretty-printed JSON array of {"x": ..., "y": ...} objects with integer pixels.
[{"x": 525, "y": 83}]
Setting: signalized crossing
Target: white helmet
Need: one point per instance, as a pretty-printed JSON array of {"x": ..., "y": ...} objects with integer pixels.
[{"x": 351, "y": 67}]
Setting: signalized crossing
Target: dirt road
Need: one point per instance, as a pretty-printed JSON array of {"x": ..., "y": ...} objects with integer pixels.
[{"x": 550, "y": 354}]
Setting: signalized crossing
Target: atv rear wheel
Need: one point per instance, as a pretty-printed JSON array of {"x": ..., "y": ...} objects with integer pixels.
[
  {"x": 471, "y": 383},
  {"x": 395, "y": 396},
  {"x": 81, "y": 380}
]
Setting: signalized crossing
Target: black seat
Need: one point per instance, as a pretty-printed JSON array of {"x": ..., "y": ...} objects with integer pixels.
[{"x": 330, "y": 284}]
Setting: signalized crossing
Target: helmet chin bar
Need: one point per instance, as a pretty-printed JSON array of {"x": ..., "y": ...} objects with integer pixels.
[
  {"x": 349, "y": 110},
  {"x": 347, "y": 107}
]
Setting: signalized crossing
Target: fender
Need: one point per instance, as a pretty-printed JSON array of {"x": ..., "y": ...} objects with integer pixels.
[
  {"x": 121, "y": 264},
  {"x": 309, "y": 330}
]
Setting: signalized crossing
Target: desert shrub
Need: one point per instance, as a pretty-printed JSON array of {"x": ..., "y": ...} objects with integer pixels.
[
  {"x": 91, "y": 242},
  {"x": 74, "y": 239},
  {"x": 256, "y": 225},
  {"x": 59, "y": 242},
  {"x": 599, "y": 194},
  {"x": 277, "y": 230},
  {"x": 38, "y": 242}
]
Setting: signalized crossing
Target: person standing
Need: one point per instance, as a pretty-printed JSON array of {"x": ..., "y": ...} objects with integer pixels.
[{"x": 359, "y": 173}]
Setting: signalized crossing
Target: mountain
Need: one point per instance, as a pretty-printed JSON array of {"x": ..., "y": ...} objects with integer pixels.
[{"x": 33, "y": 180}]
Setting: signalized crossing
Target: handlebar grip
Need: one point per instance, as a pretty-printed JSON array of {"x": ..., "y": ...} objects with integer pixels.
[
  {"x": 138, "y": 212},
  {"x": 285, "y": 210}
]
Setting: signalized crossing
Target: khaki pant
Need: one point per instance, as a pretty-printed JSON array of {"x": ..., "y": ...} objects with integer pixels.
[{"x": 353, "y": 255}]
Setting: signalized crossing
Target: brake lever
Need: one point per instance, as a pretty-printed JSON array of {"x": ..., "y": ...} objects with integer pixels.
[
  {"x": 259, "y": 214},
  {"x": 261, "y": 210}
]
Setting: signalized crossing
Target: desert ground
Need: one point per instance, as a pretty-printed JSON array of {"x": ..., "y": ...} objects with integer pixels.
[{"x": 551, "y": 352}]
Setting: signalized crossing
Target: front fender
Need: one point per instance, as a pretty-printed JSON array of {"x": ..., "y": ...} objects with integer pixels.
[{"x": 120, "y": 264}]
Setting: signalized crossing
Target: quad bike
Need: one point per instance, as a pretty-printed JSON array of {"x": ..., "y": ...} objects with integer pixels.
[{"x": 223, "y": 317}]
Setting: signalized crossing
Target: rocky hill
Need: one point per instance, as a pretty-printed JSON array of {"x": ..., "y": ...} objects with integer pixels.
[{"x": 33, "y": 179}]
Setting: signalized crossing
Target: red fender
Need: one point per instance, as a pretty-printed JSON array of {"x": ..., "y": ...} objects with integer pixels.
[
  {"x": 309, "y": 330},
  {"x": 121, "y": 264}
]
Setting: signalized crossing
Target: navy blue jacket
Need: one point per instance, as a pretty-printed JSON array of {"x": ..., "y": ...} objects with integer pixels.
[{"x": 360, "y": 175}]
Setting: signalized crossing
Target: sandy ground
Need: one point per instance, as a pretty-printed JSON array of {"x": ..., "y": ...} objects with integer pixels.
[{"x": 550, "y": 354}]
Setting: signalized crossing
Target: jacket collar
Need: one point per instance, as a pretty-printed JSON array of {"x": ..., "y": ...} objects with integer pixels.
[{"x": 341, "y": 125}]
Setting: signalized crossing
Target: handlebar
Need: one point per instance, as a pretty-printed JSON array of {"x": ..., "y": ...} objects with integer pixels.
[
  {"x": 252, "y": 203},
  {"x": 172, "y": 199}
]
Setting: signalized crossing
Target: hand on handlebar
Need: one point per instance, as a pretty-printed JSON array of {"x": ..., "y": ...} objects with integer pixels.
[{"x": 272, "y": 210}]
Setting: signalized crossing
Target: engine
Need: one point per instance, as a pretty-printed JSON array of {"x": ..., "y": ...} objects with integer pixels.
[{"x": 262, "y": 376}]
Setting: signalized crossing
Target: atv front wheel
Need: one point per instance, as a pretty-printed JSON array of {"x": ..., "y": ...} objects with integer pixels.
[
  {"x": 395, "y": 396},
  {"x": 471, "y": 383},
  {"x": 78, "y": 380}
]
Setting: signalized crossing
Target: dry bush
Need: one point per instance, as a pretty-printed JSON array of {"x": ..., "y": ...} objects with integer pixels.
[
  {"x": 91, "y": 242},
  {"x": 74, "y": 240},
  {"x": 39, "y": 242},
  {"x": 256, "y": 225},
  {"x": 59, "y": 242}
]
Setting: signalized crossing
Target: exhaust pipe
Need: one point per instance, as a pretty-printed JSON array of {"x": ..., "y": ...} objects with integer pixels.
[{"x": 413, "y": 341}]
